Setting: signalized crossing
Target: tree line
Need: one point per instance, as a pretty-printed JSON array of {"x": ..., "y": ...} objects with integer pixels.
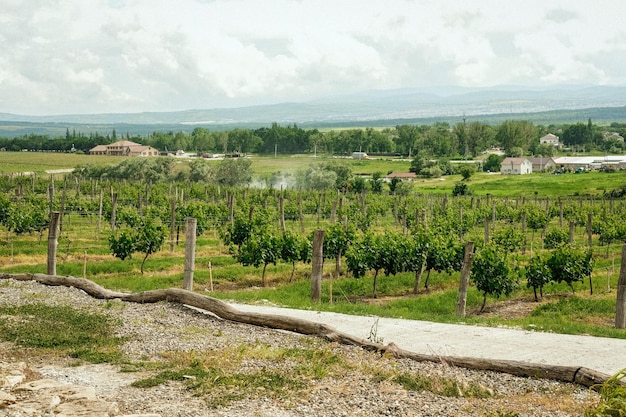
[{"x": 439, "y": 140}]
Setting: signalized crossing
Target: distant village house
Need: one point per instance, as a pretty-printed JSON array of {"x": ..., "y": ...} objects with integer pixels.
[
  {"x": 124, "y": 148},
  {"x": 402, "y": 176},
  {"x": 516, "y": 166},
  {"x": 550, "y": 139},
  {"x": 543, "y": 164},
  {"x": 613, "y": 136}
]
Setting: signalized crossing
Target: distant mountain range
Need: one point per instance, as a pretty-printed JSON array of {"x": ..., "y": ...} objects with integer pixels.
[{"x": 369, "y": 108}]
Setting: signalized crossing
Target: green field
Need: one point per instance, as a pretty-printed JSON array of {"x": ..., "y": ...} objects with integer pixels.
[
  {"x": 539, "y": 185},
  {"x": 40, "y": 162}
]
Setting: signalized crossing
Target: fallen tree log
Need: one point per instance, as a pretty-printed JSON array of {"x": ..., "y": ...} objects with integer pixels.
[{"x": 579, "y": 375}]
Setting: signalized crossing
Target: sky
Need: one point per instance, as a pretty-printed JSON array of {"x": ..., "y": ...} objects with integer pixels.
[{"x": 125, "y": 56}]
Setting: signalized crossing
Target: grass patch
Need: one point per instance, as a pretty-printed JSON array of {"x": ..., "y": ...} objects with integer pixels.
[
  {"x": 83, "y": 335},
  {"x": 216, "y": 375},
  {"x": 612, "y": 398},
  {"x": 443, "y": 386}
]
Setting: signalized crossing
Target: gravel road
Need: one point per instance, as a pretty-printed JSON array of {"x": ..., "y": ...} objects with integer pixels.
[{"x": 156, "y": 332}]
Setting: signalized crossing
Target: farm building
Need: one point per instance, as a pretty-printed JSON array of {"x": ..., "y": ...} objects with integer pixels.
[
  {"x": 550, "y": 139},
  {"x": 124, "y": 148},
  {"x": 587, "y": 163},
  {"x": 516, "y": 166},
  {"x": 408, "y": 176},
  {"x": 543, "y": 164}
]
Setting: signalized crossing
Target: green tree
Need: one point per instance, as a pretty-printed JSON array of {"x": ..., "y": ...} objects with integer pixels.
[
  {"x": 28, "y": 217},
  {"x": 576, "y": 135},
  {"x": 261, "y": 248},
  {"x": 536, "y": 219},
  {"x": 445, "y": 252},
  {"x": 200, "y": 171},
  {"x": 376, "y": 183},
  {"x": 537, "y": 274},
  {"x": 461, "y": 188},
  {"x": 516, "y": 133},
  {"x": 493, "y": 163},
  {"x": 148, "y": 238},
  {"x": 413, "y": 252},
  {"x": 509, "y": 239},
  {"x": 570, "y": 264},
  {"x": 295, "y": 248},
  {"x": 336, "y": 241},
  {"x": 492, "y": 273},
  {"x": 407, "y": 139},
  {"x": 467, "y": 171},
  {"x": 243, "y": 140},
  {"x": 234, "y": 172}
]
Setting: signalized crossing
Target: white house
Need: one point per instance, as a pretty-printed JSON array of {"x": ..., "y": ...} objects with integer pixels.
[
  {"x": 516, "y": 166},
  {"x": 550, "y": 139}
]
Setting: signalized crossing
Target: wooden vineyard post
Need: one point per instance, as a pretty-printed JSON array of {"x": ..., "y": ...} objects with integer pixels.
[
  {"x": 486, "y": 227},
  {"x": 100, "y": 211},
  {"x": 53, "y": 242},
  {"x": 590, "y": 229},
  {"x": 465, "y": 275},
  {"x": 210, "y": 277},
  {"x": 317, "y": 265},
  {"x": 524, "y": 233},
  {"x": 190, "y": 253},
  {"x": 172, "y": 223},
  {"x": 51, "y": 193},
  {"x": 620, "y": 312},
  {"x": 113, "y": 209}
]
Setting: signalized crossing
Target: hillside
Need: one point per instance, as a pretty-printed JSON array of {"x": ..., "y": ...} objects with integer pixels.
[{"x": 371, "y": 108}]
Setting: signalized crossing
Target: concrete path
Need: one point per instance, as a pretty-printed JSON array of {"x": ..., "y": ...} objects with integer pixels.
[{"x": 598, "y": 353}]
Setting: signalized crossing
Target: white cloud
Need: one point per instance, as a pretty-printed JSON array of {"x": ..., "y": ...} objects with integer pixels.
[{"x": 64, "y": 56}]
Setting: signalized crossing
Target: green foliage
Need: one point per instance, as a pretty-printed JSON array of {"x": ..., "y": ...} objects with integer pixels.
[
  {"x": 28, "y": 217},
  {"x": 493, "y": 274},
  {"x": 461, "y": 188},
  {"x": 376, "y": 183},
  {"x": 555, "y": 238},
  {"x": 467, "y": 171},
  {"x": 537, "y": 274},
  {"x": 359, "y": 255},
  {"x": 493, "y": 163},
  {"x": 147, "y": 237},
  {"x": 509, "y": 239},
  {"x": 262, "y": 248},
  {"x": 612, "y": 398},
  {"x": 253, "y": 242},
  {"x": 233, "y": 172},
  {"x": 445, "y": 251},
  {"x": 536, "y": 217},
  {"x": 295, "y": 248},
  {"x": 570, "y": 264},
  {"x": 337, "y": 239},
  {"x": 123, "y": 245},
  {"x": 516, "y": 134}
]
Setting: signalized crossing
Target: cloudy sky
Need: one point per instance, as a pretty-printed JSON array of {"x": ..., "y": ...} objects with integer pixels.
[{"x": 118, "y": 56}]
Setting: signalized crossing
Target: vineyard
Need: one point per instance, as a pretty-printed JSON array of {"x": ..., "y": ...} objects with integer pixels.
[{"x": 386, "y": 254}]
